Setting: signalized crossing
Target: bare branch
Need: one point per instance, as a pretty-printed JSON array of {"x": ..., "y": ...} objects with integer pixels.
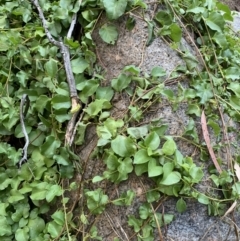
[
  {"x": 24, "y": 101},
  {"x": 74, "y": 20},
  {"x": 69, "y": 74}
]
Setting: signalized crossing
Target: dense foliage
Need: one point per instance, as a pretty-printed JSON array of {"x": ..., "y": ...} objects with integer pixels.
[{"x": 32, "y": 65}]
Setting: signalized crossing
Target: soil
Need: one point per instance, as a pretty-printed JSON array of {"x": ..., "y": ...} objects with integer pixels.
[{"x": 131, "y": 49}]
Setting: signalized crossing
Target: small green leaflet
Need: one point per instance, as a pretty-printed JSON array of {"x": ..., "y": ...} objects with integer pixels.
[
  {"x": 108, "y": 33},
  {"x": 232, "y": 73},
  {"x": 169, "y": 147},
  {"x": 176, "y": 32},
  {"x": 51, "y": 67},
  {"x": 204, "y": 91},
  {"x": 54, "y": 229},
  {"x": 79, "y": 65},
  {"x": 215, "y": 21},
  {"x": 154, "y": 169},
  {"x": 121, "y": 83},
  {"x": 115, "y": 8},
  {"x": 172, "y": 178},
  {"x": 50, "y": 146},
  {"x": 181, "y": 205},
  {"x": 158, "y": 72},
  {"x": 123, "y": 146},
  {"x": 97, "y": 106}
]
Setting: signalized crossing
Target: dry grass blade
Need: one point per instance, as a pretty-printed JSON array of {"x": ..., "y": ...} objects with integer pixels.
[
  {"x": 208, "y": 142},
  {"x": 230, "y": 209},
  {"x": 237, "y": 170}
]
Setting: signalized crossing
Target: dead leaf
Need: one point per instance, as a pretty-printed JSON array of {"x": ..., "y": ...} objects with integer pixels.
[
  {"x": 208, "y": 142},
  {"x": 237, "y": 170}
]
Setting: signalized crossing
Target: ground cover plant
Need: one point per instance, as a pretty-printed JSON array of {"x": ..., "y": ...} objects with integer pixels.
[{"x": 52, "y": 90}]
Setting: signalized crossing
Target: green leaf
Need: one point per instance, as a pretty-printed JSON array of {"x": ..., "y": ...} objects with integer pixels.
[
  {"x": 50, "y": 146},
  {"x": 164, "y": 18},
  {"x": 104, "y": 93},
  {"x": 135, "y": 223},
  {"x": 41, "y": 103},
  {"x": 191, "y": 60},
  {"x": 215, "y": 21},
  {"x": 15, "y": 196},
  {"x": 96, "y": 106},
  {"x": 66, "y": 171},
  {"x": 162, "y": 219},
  {"x": 88, "y": 88},
  {"x": 152, "y": 196},
  {"x": 141, "y": 168},
  {"x": 227, "y": 12},
  {"x": 22, "y": 77},
  {"x": 138, "y": 132},
  {"x": 125, "y": 199},
  {"x": 169, "y": 147},
  {"x": 96, "y": 201},
  {"x": 5, "y": 227},
  {"x": 54, "y": 229},
  {"x": 152, "y": 141},
  {"x": 235, "y": 102},
  {"x": 125, "y": 167},
  {"x": 121, "y": 83},
  {"x": 51, "y": 67},
  {"x": 3, "y": 207},
  {"x": 181, "y": 205},
  {"x": 196, "y": 10},
  {"x": 141, "y": 157},
  {"x": 194, "y": 109},
  {"x": 139, "y": 3},
  {"x": 130, "y": 24},
  {"x": 145, "y": 211},
  {"x": 135, "y": 113},
  {"x": 108, "y": 33},
  {"x": 204, "y": 91},
  {"x": 220, "y": 39},
  {"x": 53, "y": 191},
  {"x": 97, "y": 179},
  {"x": 232, "y": 73},
  {"x": 131, "y": 69},
  {"x": 171, "y": 178},
  {"x": 203, "y": 199},
  {"x": 123, "y": 146},
  {"x": 36, "y": 227},
  {"x": 79, "y": 65},
  {"x": 235, "y": 87},
  {"x": 196, "y": 173},
  {"x": 61, "y": 102},
  {"x": 158, "y": 72},
  {"x": 114, "y": 8},
  {"x": 176, "y": 32},
  {"x": 61, "y": 115},
  {"x": 22, "y": 234},
  {"x": 150, "y": 25},
  {"x": 112, "y": 162},
  {"x": 39, "y": 190},
  {"x": 58, "y": 217},
  {"x": 154, "y": 169},
  {"x": 36, "y": 138},
  {"x": 109, "y": 129}
]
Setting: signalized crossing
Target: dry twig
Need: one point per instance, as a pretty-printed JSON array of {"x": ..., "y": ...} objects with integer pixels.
[{"x": 75, "y": 109}]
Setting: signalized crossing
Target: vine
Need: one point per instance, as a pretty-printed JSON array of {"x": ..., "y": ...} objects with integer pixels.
[{"x": 40, "y": 49}]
